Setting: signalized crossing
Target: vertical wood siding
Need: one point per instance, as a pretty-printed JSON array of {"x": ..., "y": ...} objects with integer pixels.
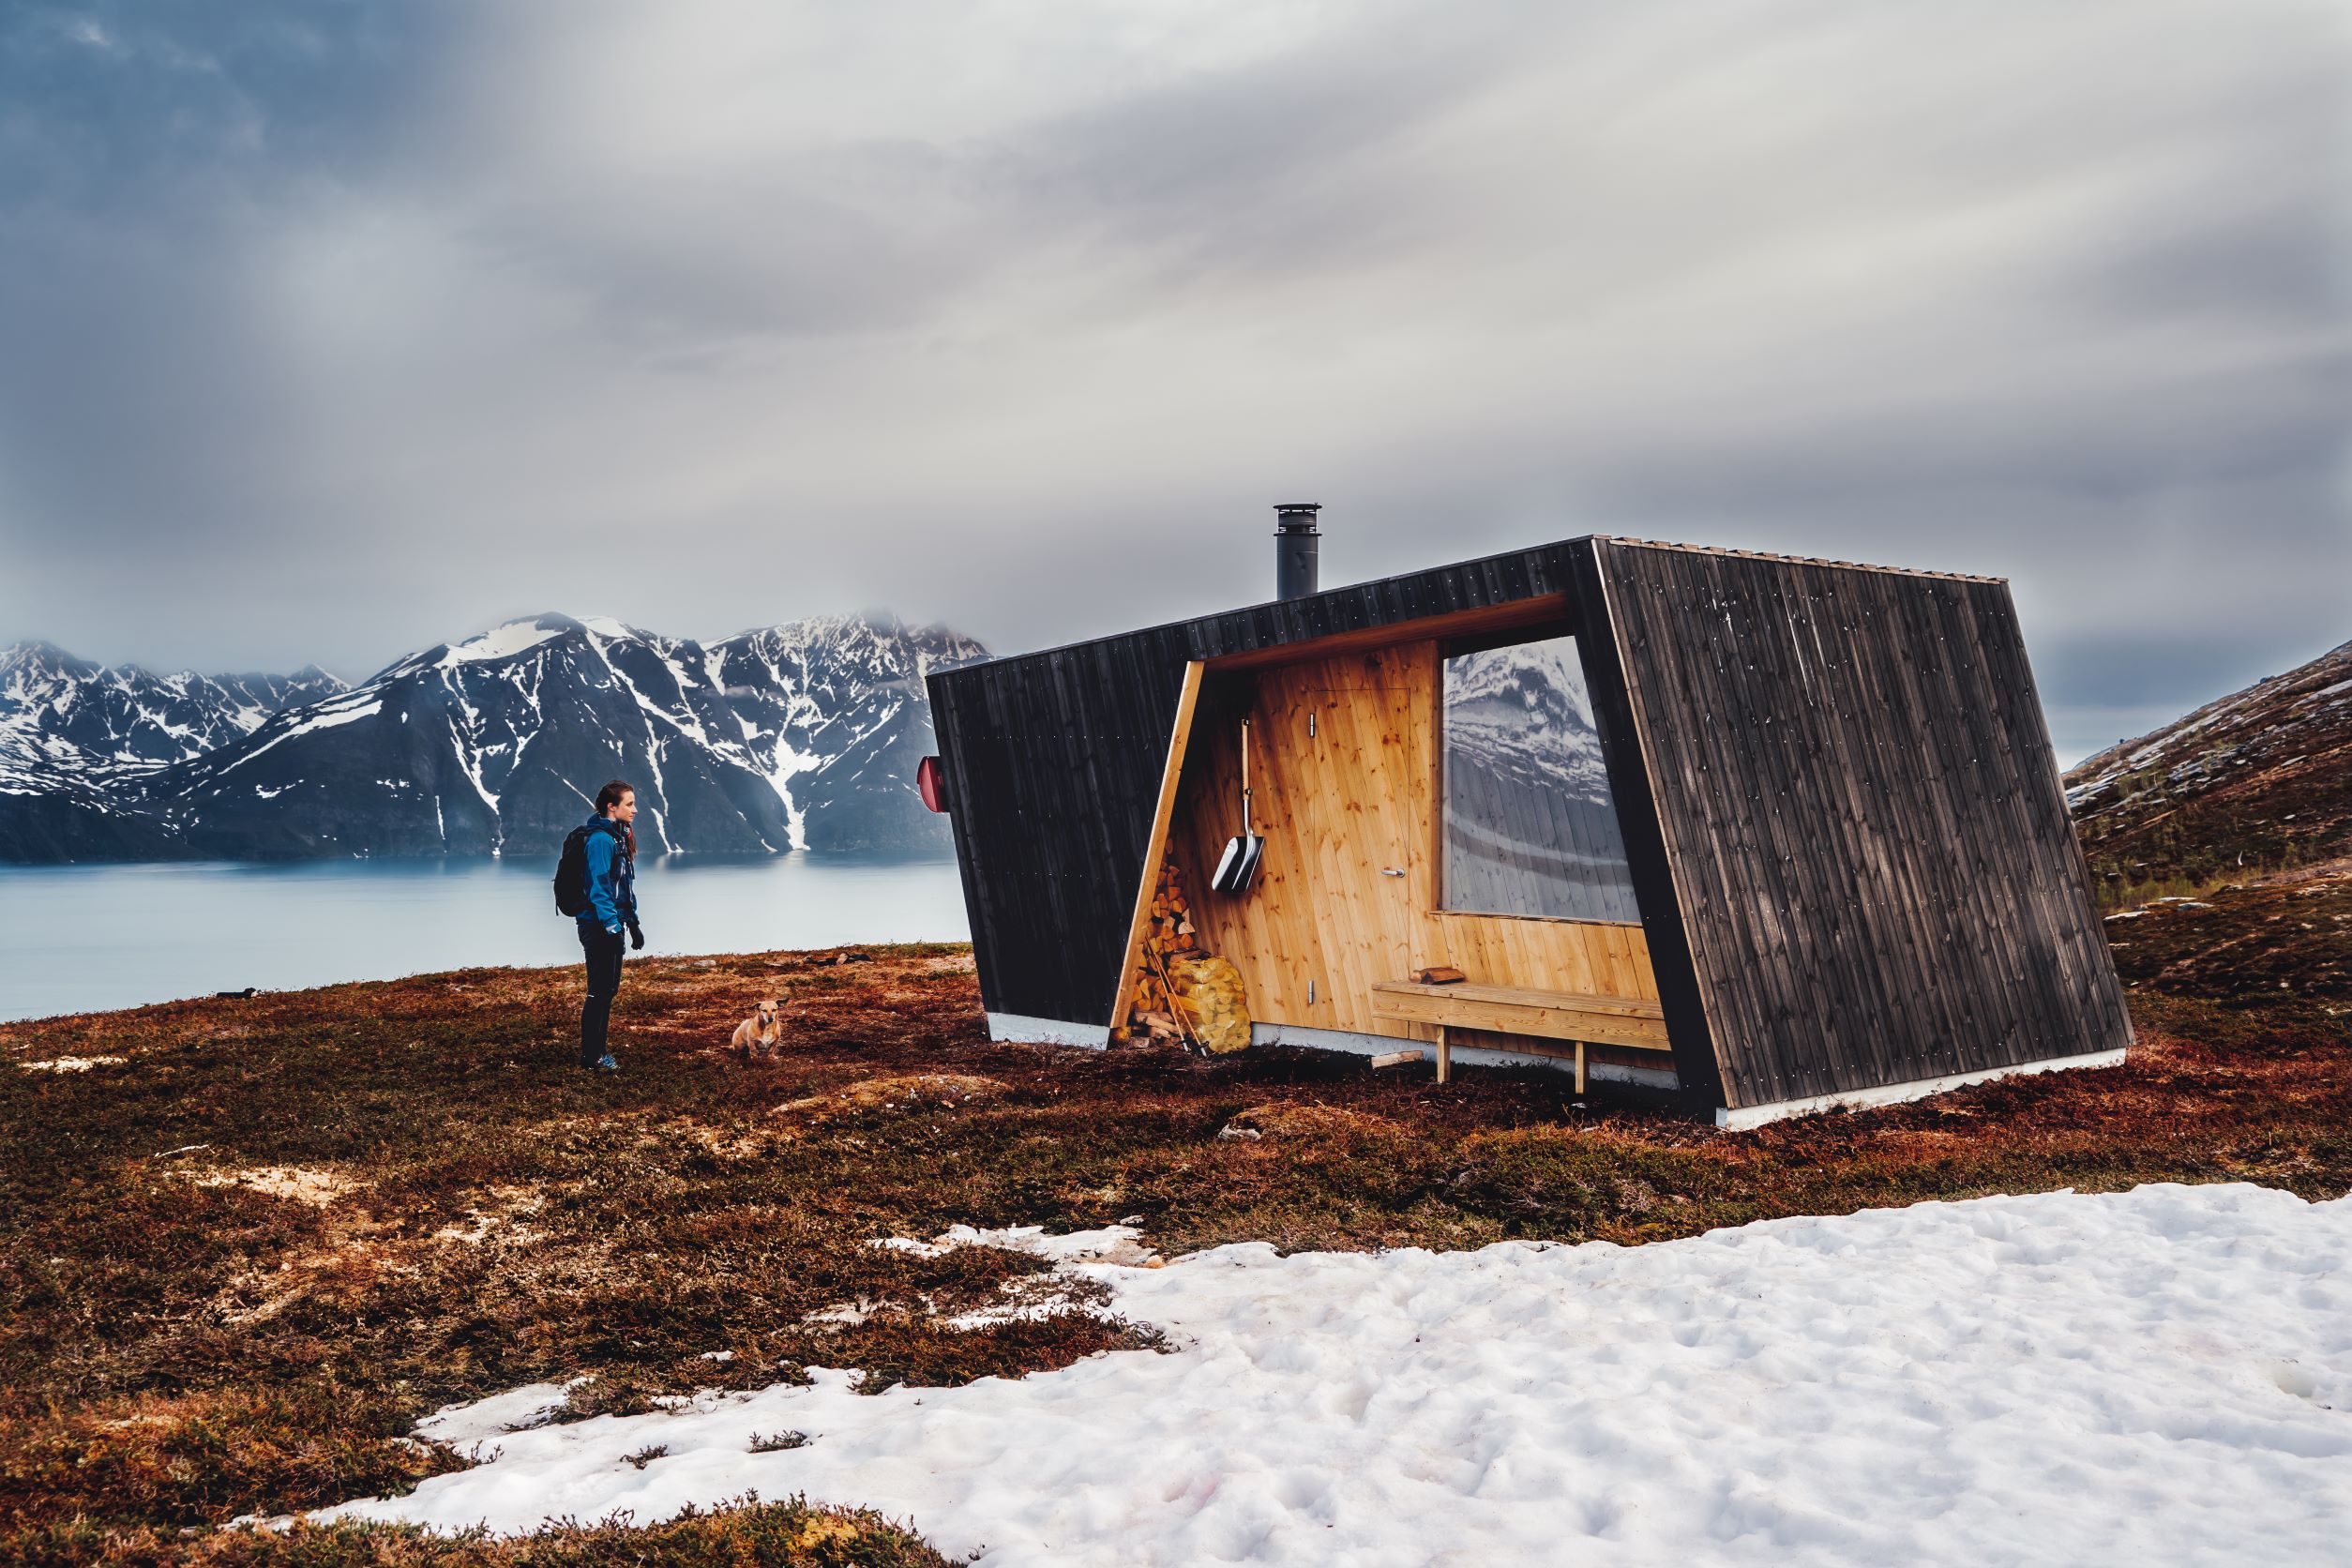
[
  {"x": 1053, "y": 764},
  {"x": 1342, "y": 805},
  {"x": 1861, "y": 812}
]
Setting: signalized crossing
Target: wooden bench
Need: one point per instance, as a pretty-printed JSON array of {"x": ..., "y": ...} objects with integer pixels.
[{"x": 1623, "y": 1021}]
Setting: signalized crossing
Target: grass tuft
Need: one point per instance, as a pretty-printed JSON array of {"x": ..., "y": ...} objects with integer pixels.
[{"x": 747, "y": 1534}]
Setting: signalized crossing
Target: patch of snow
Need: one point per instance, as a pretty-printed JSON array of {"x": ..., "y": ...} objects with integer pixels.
[
  {"x": 517, "y": 1410},
  {"x": 2204, "y": 720},
  {"x": 325, "y": 715},
  {"x": 73, "y": 1063},
  {"x": 1112, "y": 1243},
  {"x": 2154, "y": 1377},
  {"x": 469, "y": 758},
  {"x": 790, "y": 764},
  {"x": 515, "y": 637},
  {"x": 847, "y": 1315}
]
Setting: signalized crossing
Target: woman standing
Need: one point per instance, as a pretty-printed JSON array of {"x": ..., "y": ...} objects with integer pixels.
[{"x": 611, "y": 850}]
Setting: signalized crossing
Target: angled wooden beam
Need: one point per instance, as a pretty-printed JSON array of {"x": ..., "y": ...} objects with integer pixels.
[{"x": 1155, "y": 852}]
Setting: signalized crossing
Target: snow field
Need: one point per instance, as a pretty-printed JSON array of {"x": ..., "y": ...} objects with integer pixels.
[
  {"x": 2163, "y": 1376},
  {"x": 505, "y": 640}
]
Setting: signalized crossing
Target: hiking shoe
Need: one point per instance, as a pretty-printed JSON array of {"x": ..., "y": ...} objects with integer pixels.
[{"x": 604, "y": 1065}]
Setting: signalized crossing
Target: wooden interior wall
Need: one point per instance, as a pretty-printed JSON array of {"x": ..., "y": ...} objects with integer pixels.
[
  {"x": 1053, "y": 760},
  {"x": 1340, "y": 809},
  {"x": 1861, "y": 813}
]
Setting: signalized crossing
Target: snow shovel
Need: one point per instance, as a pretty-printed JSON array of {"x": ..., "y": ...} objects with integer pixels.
[{"x": 1238, "y": 866}]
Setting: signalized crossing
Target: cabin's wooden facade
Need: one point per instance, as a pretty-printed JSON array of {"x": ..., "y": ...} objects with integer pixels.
[{"x": 1838, "y": 804}]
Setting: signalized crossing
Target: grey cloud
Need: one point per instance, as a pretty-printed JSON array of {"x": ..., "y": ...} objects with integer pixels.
[{"x": 336, "y": 331}]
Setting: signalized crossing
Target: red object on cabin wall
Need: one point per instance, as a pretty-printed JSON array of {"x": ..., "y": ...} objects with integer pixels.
[{"x": 930, "y": 782}]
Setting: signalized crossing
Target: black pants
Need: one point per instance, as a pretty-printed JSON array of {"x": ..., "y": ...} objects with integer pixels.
[{"x": 603, "y": 951}]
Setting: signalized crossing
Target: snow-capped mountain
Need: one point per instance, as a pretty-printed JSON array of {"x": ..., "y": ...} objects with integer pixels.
[
  {"x": 835, "y": 714},
  {"x": 799, "y": 736},
  {"x": 73, "y": 732},
  {"x": 62, "y": 714}
]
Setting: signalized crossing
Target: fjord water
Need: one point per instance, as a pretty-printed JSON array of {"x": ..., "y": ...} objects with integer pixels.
[{"x": 81, "y": 938}]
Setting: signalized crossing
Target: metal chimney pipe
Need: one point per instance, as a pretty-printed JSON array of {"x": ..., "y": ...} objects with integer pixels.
[{"x": 1295, "y": 547}]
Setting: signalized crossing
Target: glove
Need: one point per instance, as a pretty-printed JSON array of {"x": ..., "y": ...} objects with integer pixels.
[{"x": 637, "y": 938}]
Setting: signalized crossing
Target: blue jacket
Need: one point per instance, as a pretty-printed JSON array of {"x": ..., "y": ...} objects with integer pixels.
[{"x": 611, "y": 876}]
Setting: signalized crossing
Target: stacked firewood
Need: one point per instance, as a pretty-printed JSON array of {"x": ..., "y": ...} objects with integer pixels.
[
  {"x": 1181, "y": 994},
  {"x": 1169, "y": 938}
]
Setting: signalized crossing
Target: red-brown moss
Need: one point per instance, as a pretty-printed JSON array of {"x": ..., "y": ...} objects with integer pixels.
[{"x": 479, "y": 1214}]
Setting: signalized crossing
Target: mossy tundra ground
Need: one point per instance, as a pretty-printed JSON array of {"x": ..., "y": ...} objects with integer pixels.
[{"x": 237, "y": 1264}]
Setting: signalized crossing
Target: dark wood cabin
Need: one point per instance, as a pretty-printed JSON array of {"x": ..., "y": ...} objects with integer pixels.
[{"x": 1773, "y": 834}]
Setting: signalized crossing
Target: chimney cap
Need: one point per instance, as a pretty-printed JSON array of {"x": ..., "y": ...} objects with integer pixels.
[{"x": 1290, "y": 513}]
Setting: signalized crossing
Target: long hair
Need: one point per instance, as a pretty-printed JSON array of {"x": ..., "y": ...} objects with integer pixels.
[{"x": 609, "y": 797}]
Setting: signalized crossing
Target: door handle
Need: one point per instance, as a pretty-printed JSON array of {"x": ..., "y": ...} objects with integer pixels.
[{"x": 1392, "y": 870}]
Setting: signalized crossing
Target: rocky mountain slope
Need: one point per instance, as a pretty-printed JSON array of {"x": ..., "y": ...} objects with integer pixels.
[
  {"x": 2256, "y": 782},
  {"x": 74, "y": 736},
  {"x": 800, "y": 736},
  {"x": 63, "y": 716}
]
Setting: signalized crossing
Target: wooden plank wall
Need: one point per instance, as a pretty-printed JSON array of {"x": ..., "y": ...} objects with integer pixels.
[
  {"x": 1053, "y": 760},
  {"x": 1340, "y": 807},
  {"x": 1053, "y": 764},
  {"x": 1860, "y": 806}
]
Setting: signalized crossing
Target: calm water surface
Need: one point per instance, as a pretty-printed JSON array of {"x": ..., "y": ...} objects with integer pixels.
[{"x": 78, "y": 937}]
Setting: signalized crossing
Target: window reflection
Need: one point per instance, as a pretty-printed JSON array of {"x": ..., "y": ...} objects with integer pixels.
[{"x": 1530, "y": 828}]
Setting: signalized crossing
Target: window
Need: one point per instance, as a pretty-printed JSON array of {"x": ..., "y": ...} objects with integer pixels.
[{"x": 1530, "y": 828}]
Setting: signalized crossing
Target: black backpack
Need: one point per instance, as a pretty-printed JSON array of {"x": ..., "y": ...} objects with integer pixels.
[{"x": 571, "y": 873}]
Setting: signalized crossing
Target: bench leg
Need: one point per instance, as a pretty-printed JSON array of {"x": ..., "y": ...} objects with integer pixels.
[
  {"x": 1445, "y": 1056},
  {"x": 1579, "y": 1068}
]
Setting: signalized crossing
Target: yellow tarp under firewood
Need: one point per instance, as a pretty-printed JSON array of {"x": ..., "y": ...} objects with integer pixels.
[{"x": 1207, "y": 993}]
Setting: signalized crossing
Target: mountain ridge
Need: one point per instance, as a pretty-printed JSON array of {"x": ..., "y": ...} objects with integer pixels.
[{"x": 800, "y": 735}]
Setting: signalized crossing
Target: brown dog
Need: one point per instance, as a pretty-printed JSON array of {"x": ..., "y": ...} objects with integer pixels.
[{"x": 758, "y": 1033}]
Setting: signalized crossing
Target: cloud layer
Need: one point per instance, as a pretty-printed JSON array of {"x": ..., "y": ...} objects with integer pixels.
[{"x": 337, "y": 331}]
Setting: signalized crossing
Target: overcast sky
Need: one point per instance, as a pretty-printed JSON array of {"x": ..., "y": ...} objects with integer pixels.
[{"x": 329, "y": 331}]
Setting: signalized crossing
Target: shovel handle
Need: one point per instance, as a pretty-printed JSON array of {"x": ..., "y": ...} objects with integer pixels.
[{"x": 1245, "y": 778}]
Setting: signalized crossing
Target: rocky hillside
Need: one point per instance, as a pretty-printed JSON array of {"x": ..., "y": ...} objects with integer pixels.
[{"x": 2258, "y": 782}]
